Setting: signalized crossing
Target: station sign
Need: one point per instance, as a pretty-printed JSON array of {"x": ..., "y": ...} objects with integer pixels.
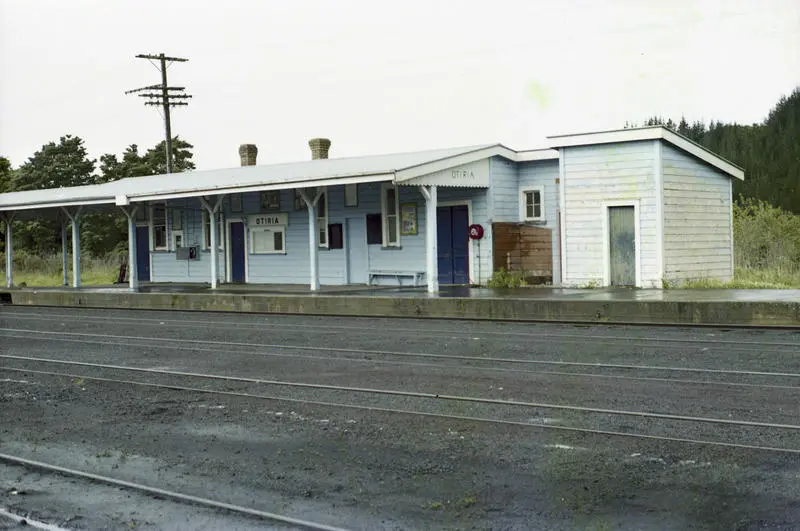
[
  {"x": 473, "y": 175},
  {"x": 268, "y": 220}
]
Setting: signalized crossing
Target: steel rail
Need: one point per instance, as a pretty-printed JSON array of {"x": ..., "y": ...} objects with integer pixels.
[
  {"x": 412, "y": 354},
  {"x": 155, "y": 491},
  {"x": 28, "y": 522},
  {"x": 414, "y": 394},
  {"x": 720, "y": 383},
  {"x": 572, "y": 429}
]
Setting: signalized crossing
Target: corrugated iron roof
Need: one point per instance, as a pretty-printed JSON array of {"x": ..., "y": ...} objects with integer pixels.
[{"x": 209, "y": 181}]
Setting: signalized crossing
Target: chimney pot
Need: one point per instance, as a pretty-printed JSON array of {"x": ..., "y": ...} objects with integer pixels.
[
  {"x": 248, "y": 154},
  {"x": 319, "y": 148}
]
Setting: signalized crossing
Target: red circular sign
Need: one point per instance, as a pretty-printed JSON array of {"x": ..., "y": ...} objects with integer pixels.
[{"x": 475, "y": 232}]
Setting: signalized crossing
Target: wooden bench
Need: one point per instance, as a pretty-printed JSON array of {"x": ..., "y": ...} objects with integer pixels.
[{"x": 397, "y": 274}]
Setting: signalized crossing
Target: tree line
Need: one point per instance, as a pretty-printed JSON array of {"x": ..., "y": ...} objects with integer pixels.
[
  {"x": 67, "y": 163},
  {"x": 768, "y": 151}
]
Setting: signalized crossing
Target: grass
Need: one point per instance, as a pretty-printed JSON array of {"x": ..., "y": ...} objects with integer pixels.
[
  {"x": 507, "y": 279},
  {"x": 750, "y": 279},
  {"x": 37, "y": 271}
]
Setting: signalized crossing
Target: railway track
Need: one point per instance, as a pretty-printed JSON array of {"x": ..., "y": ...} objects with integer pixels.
[
  {"x": 296, "y": 523},
  {"x": 676, "y": 403},
  {"x": 646, "y": 372},
  {"x": 495, "y": 411}
]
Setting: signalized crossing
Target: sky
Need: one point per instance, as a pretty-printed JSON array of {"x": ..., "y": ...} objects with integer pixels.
[{"x": 379, "y": 77}]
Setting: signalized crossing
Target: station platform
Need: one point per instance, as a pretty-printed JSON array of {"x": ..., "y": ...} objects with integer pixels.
[{"x": 718, "y": 307}]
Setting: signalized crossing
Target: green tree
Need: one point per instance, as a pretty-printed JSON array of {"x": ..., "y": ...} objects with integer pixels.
[
  {"x": 6, "y": 174},
  {"x": 66, "y": 163},
  {"x": 106, "y": 232},
  {"x": 181, "y": 157},
  {"x": 55, "y": 165},
  {"x": 152, "y": 162},
  {"x": 768, "y": 151}
]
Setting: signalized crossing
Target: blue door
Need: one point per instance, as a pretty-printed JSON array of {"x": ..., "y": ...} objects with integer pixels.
[
  {"x": 453, "y": 243},
  {"x": 357, "y": 258},
  {"x": 143, "y": 253},
  {"x": 237, "y": 252}
]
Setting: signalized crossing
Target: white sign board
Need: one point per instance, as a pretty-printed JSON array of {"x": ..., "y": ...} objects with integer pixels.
[
  {"x": 267, "y": 220},
  {"x": 474, "y": 175}
]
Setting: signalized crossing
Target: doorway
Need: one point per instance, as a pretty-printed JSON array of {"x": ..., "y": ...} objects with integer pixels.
[
  {"x": 143, "y": 253},
  {"x": 453, "y": 244},
  {"x": 622, "y": 245},
  {"x": 357, "y": 253},
  {"x": 236, "y": 251}
]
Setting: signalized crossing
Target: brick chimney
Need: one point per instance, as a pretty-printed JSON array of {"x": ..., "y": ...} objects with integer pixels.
[
  {"x": 248, "y": 153},
  {"x": 319, "y": 148}
]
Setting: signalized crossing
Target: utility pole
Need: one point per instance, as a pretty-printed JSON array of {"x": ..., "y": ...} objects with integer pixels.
[{"x": 166, "y": 96}]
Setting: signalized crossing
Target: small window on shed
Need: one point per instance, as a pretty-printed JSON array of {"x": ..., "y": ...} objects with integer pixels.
[
  {"x": 270, "y": 201},
  {"x": 374, "y": 229},
  {"x": 159, "y": 227},
  {"x": 390, "y": 206},
  {"x": 322, "y": 219},
  {"x": 335, "y": 236},
  {"x": 532, "y": 206}
]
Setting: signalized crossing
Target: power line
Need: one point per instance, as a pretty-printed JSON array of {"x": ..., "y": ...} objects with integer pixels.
[{"x": 163, "y": 95}]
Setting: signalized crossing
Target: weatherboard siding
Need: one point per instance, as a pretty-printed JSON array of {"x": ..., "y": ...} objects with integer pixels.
[
  {"x": 543, "y": 174},
  {"x": 504, "y": 190},
  {"x": 606, "y": 173},
  {"x": 293, "y": 267},
  {"x": 697, "y": 219},
  {"x": 164, "y": 265}
]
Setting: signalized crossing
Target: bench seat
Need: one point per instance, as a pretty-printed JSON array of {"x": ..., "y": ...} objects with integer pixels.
[{"x": 397, "y": 274}]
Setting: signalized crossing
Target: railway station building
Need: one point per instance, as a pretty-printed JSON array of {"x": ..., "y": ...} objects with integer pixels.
[{"x": 632, "y": 207}]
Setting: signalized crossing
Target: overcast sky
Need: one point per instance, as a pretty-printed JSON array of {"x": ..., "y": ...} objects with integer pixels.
[{"x": 377, "y": 76}]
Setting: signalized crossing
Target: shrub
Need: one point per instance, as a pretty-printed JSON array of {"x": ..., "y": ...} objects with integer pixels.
[
  {"x": 507, "y": 279},
  {"x": 766, "y": 238}
]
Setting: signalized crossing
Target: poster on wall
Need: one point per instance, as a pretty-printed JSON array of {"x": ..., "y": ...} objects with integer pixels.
[{"x": 408, "y": 219}]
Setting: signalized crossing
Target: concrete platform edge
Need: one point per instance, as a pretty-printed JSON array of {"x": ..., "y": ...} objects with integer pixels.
[{"x": 506, "y": 309}]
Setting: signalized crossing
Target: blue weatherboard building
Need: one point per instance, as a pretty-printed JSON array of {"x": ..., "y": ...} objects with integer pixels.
[{"x": 631, "y": 207}]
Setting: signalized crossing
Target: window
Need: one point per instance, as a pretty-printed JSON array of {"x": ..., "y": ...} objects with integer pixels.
[
  {"x": 374, "y": 229},
  {"x": 267, "y": 240},
  {"x": 336, "y": 236},
  {"x": 177, "y": 219},
  {"x": 271, "y": 200},
  {"x": 299, "y": 202},
  {"x": 176, "y": 228},
  {"x": 141, "y": 214},
  {"x": 236, "y": 203},
  {"x": 158, "y": 220},
  {"x": 351, "y": 195},
  {"x": 391, "y": 220},
  {"x": 207, "y": 232},
  {"x": 322, "y": 219},
  {"x": 532, "y": 206}
]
